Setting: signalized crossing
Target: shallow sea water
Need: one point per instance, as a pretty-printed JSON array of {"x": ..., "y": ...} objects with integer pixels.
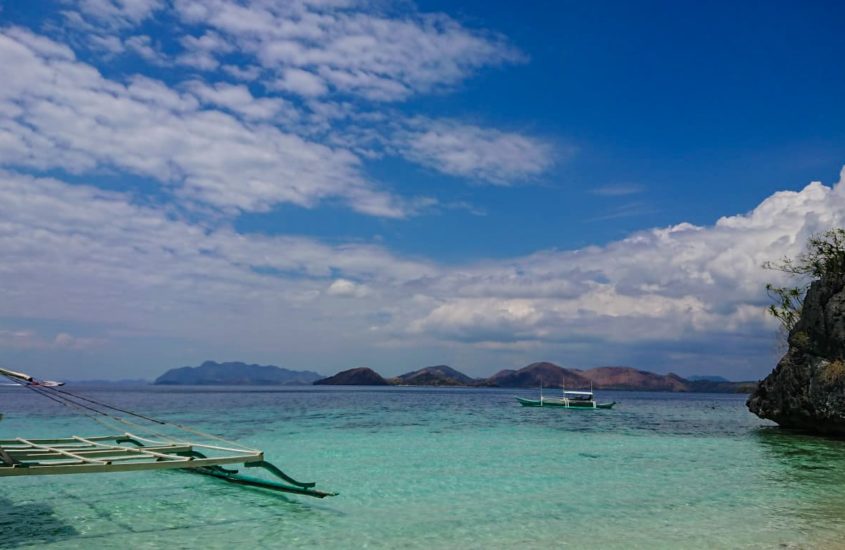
[{"x": 442, "y": 468}]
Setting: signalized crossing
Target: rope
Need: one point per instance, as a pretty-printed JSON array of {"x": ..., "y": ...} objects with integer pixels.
[
  {"x": 155, "y": 420},
  {"x": 69, "y": 399},
  {"x": 82, "y": 408}
]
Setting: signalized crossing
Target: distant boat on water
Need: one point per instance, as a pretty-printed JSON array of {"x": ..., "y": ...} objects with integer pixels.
[{"x": 569, "y": 400}]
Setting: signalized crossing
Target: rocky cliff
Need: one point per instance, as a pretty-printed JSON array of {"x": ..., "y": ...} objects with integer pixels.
[{"x": 807, "y": 388}]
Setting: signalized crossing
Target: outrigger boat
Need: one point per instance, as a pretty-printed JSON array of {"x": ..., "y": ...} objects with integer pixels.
[
  {"x": 569, "y": 400},
  {"x": 127, "y": 451}
]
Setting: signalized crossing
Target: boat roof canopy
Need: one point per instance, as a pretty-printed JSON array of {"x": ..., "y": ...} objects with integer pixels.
[{"x": 578, "y": 392}]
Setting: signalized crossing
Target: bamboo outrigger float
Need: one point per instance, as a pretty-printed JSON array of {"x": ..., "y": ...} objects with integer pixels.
[{"x": 128, "y": 452}]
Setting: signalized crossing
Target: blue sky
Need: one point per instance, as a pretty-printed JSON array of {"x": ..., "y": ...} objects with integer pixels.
[{"x": 328, "y": 184}]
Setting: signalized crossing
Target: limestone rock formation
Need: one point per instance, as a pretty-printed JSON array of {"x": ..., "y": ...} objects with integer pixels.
[{"x": 807, "y": 388}]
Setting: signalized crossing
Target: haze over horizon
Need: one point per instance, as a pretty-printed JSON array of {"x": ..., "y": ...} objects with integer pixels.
[{"x": 324, "y": 184}]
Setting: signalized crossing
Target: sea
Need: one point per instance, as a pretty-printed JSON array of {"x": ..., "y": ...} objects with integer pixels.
[{"x": 440, "y": 468}]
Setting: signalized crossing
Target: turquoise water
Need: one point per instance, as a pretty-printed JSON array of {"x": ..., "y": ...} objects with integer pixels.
[{"x": 427, "y": 468}]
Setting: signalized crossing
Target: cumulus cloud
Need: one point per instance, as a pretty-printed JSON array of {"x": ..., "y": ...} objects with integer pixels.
[
  {"x": 73, "y": 253},
  {"x": 344, "y": 288},
  {"x": 667, "y": 284},
  {"x": 79, "y": 254},
  {"x": 56, "y": 112}
]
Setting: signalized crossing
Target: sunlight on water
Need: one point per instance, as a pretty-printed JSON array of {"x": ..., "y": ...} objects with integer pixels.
[{"x": 448, "y": 468}]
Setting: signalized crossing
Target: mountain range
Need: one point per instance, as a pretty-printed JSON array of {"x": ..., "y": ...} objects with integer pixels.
[
  {"x": 534, "y": 375},
  {"x": 546, "y": 374}
]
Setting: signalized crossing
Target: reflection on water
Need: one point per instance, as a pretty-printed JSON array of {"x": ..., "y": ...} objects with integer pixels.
[
  {"x": 809, "y": 472},
  {"x": 806, "y": 461}
]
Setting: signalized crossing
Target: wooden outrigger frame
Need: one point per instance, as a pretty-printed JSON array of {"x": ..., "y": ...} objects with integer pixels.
[{"x": 128, "y": 452}]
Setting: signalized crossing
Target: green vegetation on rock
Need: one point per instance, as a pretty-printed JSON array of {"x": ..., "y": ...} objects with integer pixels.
[{"x": 823, "y": 258}]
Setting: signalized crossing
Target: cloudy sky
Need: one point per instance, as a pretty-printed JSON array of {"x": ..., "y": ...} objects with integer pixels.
[{"x": 326, "y": 184}]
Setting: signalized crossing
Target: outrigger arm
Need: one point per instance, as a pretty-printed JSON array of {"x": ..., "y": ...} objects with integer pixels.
[
  {"x": 23, "y": 377},
  {"x": 76, "y": 455}
]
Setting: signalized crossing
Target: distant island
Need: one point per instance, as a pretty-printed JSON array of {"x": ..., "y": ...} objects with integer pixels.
[
  {"x": 547, "y": 374},
  {"x": 236, "y": 374},
  {"x": 354, "y": 377},
  {"x": 544, "y": 373}
]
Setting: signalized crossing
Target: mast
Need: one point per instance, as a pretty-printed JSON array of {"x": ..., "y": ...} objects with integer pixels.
[{"x": 563, "y": 390}]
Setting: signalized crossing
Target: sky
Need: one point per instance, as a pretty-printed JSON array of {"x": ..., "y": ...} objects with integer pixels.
[{"x": 329, "y": 184}]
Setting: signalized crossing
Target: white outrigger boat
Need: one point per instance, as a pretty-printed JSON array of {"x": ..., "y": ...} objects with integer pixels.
[
  {"x": 569, "y": 400},
  {"x": 127, "y": 451}
]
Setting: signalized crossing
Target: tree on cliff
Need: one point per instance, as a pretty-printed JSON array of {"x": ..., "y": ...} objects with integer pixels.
[
  {"x": 823, "y": 258},
  {"x": 806, "y": 390}
]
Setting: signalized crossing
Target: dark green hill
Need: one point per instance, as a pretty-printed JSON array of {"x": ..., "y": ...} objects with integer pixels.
[{"x": 360, "y": 376}]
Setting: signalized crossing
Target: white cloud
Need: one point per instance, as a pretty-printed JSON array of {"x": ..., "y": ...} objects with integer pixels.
[
  {"x": 238, "y": 99},
  {"x": 618, "y": 190},
  {"x": 670, "y": 284},
  {"x": 31, "y": 340},
  {"x": 78, "y": 253},
  {"x": 626, "y": 210},
  {"x": 75, "y": 254},
  {"x": 300, "y": 82},
  {"x": 344, "y": 288},
  {"x": 481, "y": 154},
  {"x": 250, "y": 72},
  {"x": 19, "y": 339},
  {"x": 67, "y": 341},
  {"x": 56, "y": 112},
  {"x": 200, "y": 51},
  {"x": 110, "y": 44},
  {"x": 119, "y": 13},
  {"x": 143, "y": 46},
  {"x": 350, "y": 46},
  {"x": 330, "y": 55}
]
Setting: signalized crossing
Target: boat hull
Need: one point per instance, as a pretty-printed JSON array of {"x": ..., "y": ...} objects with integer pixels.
[{"x": 568, "y": 404}]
